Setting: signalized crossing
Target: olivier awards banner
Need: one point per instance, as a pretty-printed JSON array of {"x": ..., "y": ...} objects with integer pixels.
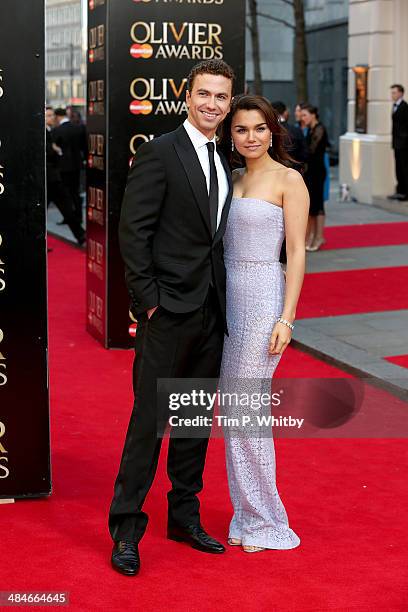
[
  {"x": 24, "y": 410},
  {"x": 140, "y": 53}
]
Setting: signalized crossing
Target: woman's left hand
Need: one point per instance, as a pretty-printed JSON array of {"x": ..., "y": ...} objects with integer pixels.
[{"x": 280, "y": 338}]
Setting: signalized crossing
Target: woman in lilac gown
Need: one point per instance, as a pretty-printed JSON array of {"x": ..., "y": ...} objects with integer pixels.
[{"x": 270, "y": 202}]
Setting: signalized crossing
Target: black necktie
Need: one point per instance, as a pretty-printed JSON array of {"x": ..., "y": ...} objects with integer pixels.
[
  {"x": 213, "y": 194},
  {"x": 395, "y": 108}
]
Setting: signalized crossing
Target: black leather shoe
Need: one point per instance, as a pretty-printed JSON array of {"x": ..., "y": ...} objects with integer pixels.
[
  {"x": 196, "y": 537},
  {"x": 125, "y": 558}
]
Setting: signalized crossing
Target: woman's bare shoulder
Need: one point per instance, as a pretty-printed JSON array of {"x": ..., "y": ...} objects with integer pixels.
[{"x": 293, "y": 177}]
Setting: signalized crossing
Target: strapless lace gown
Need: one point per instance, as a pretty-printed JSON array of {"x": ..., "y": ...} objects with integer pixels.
[{"x": 255, "y": 296}]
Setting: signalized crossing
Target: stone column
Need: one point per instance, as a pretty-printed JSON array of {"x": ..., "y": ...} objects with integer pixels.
[{"x": 376, "y": 39}]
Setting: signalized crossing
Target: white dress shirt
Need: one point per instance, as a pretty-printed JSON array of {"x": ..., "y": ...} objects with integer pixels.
[
  {"x": 199, "y": 142},
  {"x": 397, "y": 104}
]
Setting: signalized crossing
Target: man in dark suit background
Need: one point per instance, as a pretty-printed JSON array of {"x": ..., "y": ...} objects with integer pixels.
[
  {"x": 296, "y": 142},
  {"x": 71, "y": 138},
  {"x": 400, "y": 141},
  {"x": 173, "y": 219},
  {"x": 56, "y": 189}
]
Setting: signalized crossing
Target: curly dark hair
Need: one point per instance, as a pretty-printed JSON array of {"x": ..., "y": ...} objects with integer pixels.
[
  {"x": 213, "y": 66},
  {"x": 278, "y": 151}
]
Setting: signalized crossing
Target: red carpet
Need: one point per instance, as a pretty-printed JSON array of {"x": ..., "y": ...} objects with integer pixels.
[
  {"x": 369, "y": 235},
  {"x": 345, "y": 498},
  {"x": 354, "y": 291},
  {"x": 399, "y": 360}
]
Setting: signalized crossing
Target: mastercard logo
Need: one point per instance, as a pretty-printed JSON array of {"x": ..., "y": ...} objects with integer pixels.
[
  {"x": 144, "y": 51},
  {"x": 133, "y": 330},
  {"x": 141, "y": 107},
  {"x": 91, "y": 4},
  {"x": 91, "y": 55}
]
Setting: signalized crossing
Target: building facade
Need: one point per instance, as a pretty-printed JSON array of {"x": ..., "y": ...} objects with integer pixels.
[
  {"x": 378, "y": 45},
  {"x": 65, "y": 53},
  {"x": 327, "y": 36}
]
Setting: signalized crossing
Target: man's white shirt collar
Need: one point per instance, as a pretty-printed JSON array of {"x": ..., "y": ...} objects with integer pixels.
[
  {"x": 197, "y": 138},
  {"x": 199, "y": 142}
]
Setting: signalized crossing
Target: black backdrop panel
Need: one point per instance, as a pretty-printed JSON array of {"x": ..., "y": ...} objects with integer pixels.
[
  {"x": 97, "y": 218},
  {"x": 24, "y": 410},
  {"x": 151, "y": 47}
]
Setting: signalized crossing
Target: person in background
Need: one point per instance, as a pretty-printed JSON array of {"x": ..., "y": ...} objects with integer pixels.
[
  {"x": 295, "y": 144},
  {"x": 315, "y": 176},
  {"x": 56, "y": 189},
  {"x": 400, "y": 142},
  {"x": 300, "y": 123},
  {"x": 76, "y": 117},
  {"x": 71, "y": 138},
  {"x": 298, "y": 115},
  {"x": 326, "y": 188}
]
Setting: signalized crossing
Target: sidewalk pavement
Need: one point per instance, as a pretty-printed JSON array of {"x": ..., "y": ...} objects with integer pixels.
[
  {"x": 401, "y": 208},
  {"x": 356, "y": 343}
]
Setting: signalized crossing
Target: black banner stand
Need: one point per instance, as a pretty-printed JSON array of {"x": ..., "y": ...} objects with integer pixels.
[
  {"x": 24, "y": 408},
  {"x": 139, "y": 54}
]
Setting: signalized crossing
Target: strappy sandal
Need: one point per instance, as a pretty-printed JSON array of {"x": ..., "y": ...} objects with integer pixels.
[
  {"x": 253, "y": 549},
  {"x": 316, "y": 245},
  {"x": 234, "y": 542}
]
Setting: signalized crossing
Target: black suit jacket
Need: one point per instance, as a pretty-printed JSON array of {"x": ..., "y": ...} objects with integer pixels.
[
  {"x": 53, "y": 160},
  {"x": 165, "y": 235},
  {"x": 400, "y": 127},
  {"x": 73, "y": 142},
  {"x": 295, "y": 144}
]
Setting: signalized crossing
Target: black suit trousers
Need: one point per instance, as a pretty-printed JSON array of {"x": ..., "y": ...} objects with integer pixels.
[
  {"x": 169, "y": 345},
  {"x": 401, "y": 170},
  {"x": 72, "y": 181},
  {"x": 58, "y": 193}
]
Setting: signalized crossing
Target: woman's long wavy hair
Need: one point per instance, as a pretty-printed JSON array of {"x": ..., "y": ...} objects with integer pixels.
[{"x": 259, "y": 103}]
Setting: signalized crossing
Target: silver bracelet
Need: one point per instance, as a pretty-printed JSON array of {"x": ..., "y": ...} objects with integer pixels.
[{"x": 287, "y": 323}]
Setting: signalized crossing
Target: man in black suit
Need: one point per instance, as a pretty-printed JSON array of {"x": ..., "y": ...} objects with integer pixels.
[
  {"x": 71, "y": 138},
  {"x": 400, "y": 141},
  {"x": 56, "y": 190},
  {"x": 173, "y": 219}
]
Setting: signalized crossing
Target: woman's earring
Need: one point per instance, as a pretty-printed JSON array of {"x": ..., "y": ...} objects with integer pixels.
[
  {"x": 232, "y": 145},
  {"x": 271, "y": 141}
]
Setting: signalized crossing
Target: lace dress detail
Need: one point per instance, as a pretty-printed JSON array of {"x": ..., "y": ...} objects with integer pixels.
[{"x": 255, "y": 295}]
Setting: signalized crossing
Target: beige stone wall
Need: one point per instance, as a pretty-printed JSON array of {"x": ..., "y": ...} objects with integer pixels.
[{"x": 377, "y": 37}]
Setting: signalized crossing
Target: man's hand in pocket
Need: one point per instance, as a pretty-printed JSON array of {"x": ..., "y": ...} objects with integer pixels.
[{"x": 151, "y": 312}]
